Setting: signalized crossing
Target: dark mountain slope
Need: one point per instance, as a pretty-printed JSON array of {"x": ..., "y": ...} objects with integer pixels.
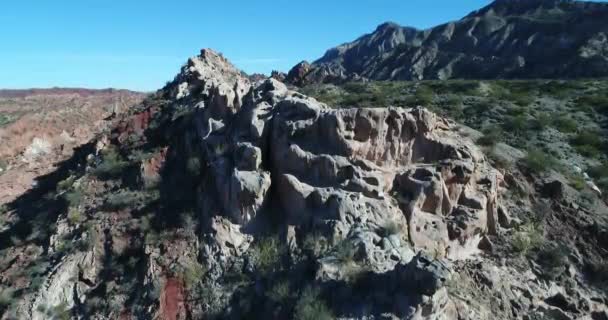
[{"x": 506, "y": 39}]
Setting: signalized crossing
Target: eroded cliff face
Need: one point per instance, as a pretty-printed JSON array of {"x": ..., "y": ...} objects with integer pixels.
[{"x": 235, "y": 198}]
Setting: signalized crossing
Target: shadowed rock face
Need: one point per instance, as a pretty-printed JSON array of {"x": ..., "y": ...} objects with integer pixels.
[{"x": 507, "y": 39}]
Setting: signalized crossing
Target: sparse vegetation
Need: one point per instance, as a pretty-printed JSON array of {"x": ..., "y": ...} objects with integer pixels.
[
  {"x": 528, "y": 237},
  {"x": 74, "y": 216},
  {"x": 538, "y": 161},
  {"x": 565, "y": 124},
  {"x": 193, "y": 274},
  {"x": 267, "y": 255},
  {"x": 588, "y": 143},
  {"x": 74, "y": 197},
  {"x": 122, "y": 199},
  {"x": 311, "y": 307},
  {"x": 491, "y": 136},
  {"x": 316, "y": 244},
  {"x": 279, "y": 292},
  {"x": 112, "y": 165}
]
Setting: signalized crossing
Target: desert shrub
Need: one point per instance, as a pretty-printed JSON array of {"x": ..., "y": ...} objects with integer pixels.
[
  {"x": 74, "y": 197},
  {"x": 491, "y": 136},
  {"x": 552, "y": 258},
  {"x": 122, "y": 199},
  {"x": 588, "y": 151},
  {"x": 6, "y": 297},
  {"x": 112, "y": 165},
  {"x": 538, "y": 161},
  {"x": 423, "y": 96},
  {"x": 460, "y": 87},
  {"x": 516, "y": 124},
  {"x": 66, "y": 184},
  {"x": 316, "y": 244},
  {"x": 598, "y": 102},
  {"x": 5, "y": 120},
  {"x": 588, "y": 143},
  {"x": 480, "y": 106},
  {"x": 355, "y": 87},
  {"x": 541, "y": 121},
  {"x": 528, "y": 237},
  {"x": 193, "y": 273},
  {"x": 311, "y": 307},
  {"x": 565, "y": 124},
  {"x": 267, "y": 255},
  {"x": 577, "y": 182},
  {"x": 600, "y": 174},
  {"x": 560, "y": 89},
  {"x": 279, "y": 292},
  {"x": 74, "y": 216},
  {"x": 453, "y": 100}
]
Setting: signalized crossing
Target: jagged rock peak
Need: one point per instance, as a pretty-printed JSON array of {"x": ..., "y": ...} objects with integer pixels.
[{"x": 210, "y": 71}]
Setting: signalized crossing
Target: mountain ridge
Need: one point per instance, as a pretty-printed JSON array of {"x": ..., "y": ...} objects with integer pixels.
[{"x": 506, "y": 39}]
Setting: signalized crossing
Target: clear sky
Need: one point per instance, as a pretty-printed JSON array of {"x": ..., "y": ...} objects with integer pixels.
[{"x": 140, "y": 45}]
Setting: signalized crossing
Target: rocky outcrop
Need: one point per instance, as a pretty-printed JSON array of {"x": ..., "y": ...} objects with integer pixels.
[
  {"x": 242, "y": 197},
  {"x": 390, "y": 182},
  {"x": 506, "y": 39}
]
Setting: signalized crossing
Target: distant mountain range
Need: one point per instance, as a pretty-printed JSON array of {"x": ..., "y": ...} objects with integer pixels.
[{"x": 506, "y": 39}]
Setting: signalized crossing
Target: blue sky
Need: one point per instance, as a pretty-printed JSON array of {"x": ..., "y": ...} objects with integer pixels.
[{"x": 140, "y": 45}]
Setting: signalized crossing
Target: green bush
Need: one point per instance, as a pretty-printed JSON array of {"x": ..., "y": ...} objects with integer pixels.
[
  {"x": 565, "y": 124},
  {"x": 267, "y": 255},
  {"x": 74, "y": 216},
  {"x": 74, "y": 197},
  {"x": 491, "y": 136},
  {"x": 316, "y": 244},
  {"x": 311, "y": 307},
  {"x": 541, "y": 121},
  {"x": 598, "y": 102},
  {"x": 66, "y": 184},
  {"x": 538, "y": 161},
  {"x": 528, "y": 237},
  {"x": 111, "y": 167},
  {"x": 577, "y": 182},
  {"x": 588, "y": 143},
  {"x": 6, "y": 298},
  {"x": 122, "y": 199},
  {"x": 516, "y": 124},
  {"x": 279, "y": 292},
  {"x": 5, "y": 120},
  {"x": 193, "y": 274}
]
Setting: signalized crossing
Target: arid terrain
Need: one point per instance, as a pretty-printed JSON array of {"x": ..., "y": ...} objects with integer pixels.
[
  {"x": 40, "y": 127},
  {"x": 349, "y": 188}
]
